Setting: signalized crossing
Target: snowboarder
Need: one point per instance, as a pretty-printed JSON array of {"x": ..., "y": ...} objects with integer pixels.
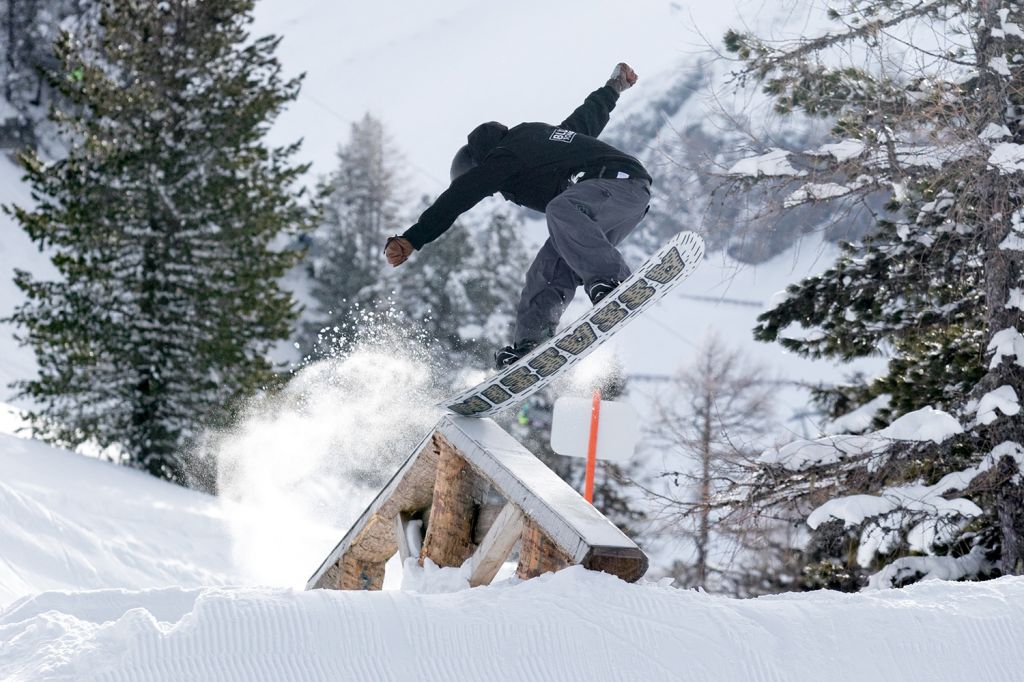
[{"x": 593, "y": 195}]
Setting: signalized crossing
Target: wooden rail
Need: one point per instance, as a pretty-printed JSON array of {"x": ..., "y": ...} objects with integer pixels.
[{"x": 445, "y": 484}]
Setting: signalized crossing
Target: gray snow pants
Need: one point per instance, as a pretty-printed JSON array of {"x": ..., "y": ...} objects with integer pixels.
[{"x": 585, "y": 223}]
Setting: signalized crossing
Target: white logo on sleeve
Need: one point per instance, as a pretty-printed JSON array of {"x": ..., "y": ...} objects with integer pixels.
[{"x": 562, "y": 135}]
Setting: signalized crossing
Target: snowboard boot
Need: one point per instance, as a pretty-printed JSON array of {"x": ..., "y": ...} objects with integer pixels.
[
  {"x": 509, "y": 355},
  {"x": 600, "y": 288}
]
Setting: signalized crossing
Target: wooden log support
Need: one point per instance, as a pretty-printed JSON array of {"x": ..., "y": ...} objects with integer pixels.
[
  {"x": 496, "y": 545},
  {"x": 449, "y": 539},
  {"x": 486, "y": 515},
  {"x": 448, "y": 473},
  {"x": 538, "y": 554},
  {"x": 351, "y": 573}
]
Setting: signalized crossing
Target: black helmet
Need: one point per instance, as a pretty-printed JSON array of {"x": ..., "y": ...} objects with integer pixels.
[
  {"x": 482, "y": 141},
  {"x": 462, "y": 162}
]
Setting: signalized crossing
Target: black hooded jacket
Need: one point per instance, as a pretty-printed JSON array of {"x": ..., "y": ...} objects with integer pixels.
[{"x": 529, "y": 164}]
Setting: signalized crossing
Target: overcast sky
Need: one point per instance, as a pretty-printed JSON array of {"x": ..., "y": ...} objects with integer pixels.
[{"x": 433, "y": 70}]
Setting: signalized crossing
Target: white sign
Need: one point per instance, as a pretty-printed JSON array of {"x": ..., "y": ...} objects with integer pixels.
[{"x": 617, "y": 434}]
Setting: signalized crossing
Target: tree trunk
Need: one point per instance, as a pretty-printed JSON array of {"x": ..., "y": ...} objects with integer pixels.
[
  {"x": 703, "y": 531},
  {"x": 1000, "y": 198}
]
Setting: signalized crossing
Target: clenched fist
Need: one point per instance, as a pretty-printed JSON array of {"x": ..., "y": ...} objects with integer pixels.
[
  {"x": 398, "y": 250},
  {"x": 623, "y": 77}
]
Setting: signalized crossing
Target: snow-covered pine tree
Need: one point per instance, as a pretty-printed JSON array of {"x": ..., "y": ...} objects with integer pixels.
[
  {"x": 928, "y": 100},
  {"x": 161, "y": 221},
  {"x": 361, "y": 206}
]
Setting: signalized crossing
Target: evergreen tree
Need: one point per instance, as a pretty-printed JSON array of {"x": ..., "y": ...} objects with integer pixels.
[
  {"x": 160, "y": 221},
  {"x": 938, "y": 281},
  {"x": 361, "y": 207}
]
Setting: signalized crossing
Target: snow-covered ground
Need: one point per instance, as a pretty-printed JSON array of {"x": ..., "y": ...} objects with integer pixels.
[
  {"x": 573, "y": 625},
  {"x": 75, "y": 523},
  {"x": 433, "y": 71},
  {"x": 294, "y": 474}
]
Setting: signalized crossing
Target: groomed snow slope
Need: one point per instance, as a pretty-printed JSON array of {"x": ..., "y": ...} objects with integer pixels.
[
  {"x": 572, "y": 625},
  {"x": 73, "y": 522}
]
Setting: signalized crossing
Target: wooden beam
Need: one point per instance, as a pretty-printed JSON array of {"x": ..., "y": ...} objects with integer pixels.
[
  {"x": 538, "y": 554},
  {"x": 352, "y": 574},
  {"x": 581, "y": 533},
  {"x": 486, "y": 515},
  {"x": 449, "y": 539},
  {"x": 496, "y": 546}
]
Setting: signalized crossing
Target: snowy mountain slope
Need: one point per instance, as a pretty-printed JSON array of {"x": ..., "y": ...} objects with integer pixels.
[
  {"x": 73, "y": 522},
  {"x": 433, "y": 71},
  {"x": 573, "y": 625}
]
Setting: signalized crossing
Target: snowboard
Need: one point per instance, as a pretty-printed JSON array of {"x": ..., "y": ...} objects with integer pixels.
[{"x": 673, "y": 263}]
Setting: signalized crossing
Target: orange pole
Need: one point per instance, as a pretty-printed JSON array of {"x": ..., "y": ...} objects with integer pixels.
[{"x": 595, "y": 417}]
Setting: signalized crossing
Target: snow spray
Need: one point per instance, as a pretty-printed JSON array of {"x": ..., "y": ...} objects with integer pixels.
[{"x": 304, "y": 463}]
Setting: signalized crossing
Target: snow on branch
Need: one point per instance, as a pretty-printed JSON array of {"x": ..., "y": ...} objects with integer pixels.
[
  {"x": 853, "y": 510},
  {"x": 801, "y": 454},
  {"x": 1014, "y": 240},
  {"x": 824, "y": 191},
  {"x": 843, "y": 150},
  {"x": 775, "y": 162},
  {"x": 1008, "y": 157},
  {"x": 1004, "y": 399},
  {"x": 1009, "y": 28},
  {"x": 994, "y": 131},
  {"x": 1007, "y": 343},
  {"x": 899, "y": 157},
  {"x": 913, "y": 568},
  {"x": 926, "y": 424},
  {"x": 925, "y": 515},
  {"x": 1016, "y": 299},
  {"x": 782, "y": 58}
]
